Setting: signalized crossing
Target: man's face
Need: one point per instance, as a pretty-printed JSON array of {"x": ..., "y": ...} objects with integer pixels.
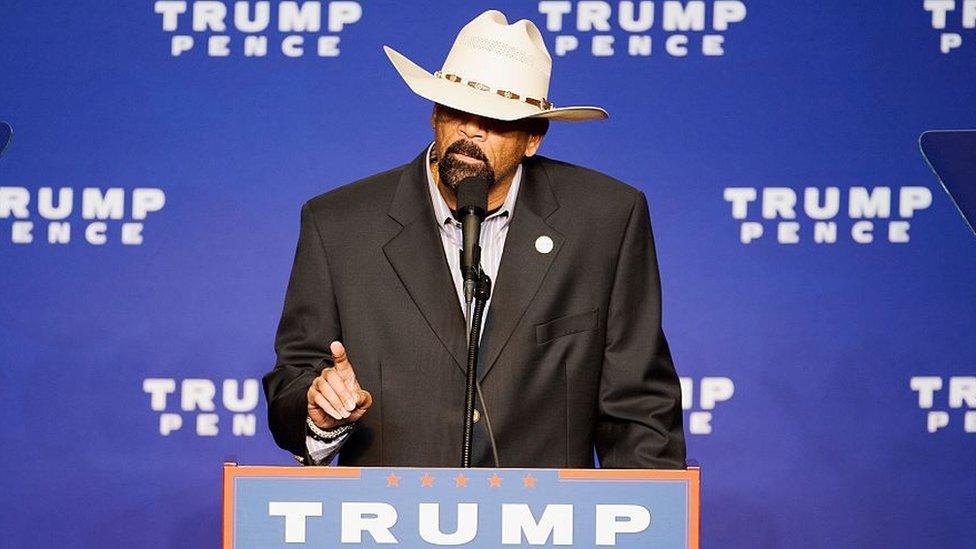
[{"x": 466, "y": 145}]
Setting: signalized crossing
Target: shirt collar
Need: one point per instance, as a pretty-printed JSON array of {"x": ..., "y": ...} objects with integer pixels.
[{"x": 442, "y": 212}]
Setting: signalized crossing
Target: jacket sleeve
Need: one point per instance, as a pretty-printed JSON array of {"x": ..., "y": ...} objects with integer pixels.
[
  {"x": 640, "y": 420},
  {"x": 309, "y": 323}
]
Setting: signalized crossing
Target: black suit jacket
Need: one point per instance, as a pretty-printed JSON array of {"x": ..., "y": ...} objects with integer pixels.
[{"x": 573, "y": 352}]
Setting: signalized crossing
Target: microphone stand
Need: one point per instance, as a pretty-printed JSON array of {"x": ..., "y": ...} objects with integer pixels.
[{"x": 481, "y": 292}]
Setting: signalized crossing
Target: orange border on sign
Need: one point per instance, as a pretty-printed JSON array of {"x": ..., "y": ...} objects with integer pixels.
[
  {"x": 232, "y": 471},
  {"x": 694, "y": 507},
  {"x": 227, "y": 530},
  {"x": 623, "y": 474}
]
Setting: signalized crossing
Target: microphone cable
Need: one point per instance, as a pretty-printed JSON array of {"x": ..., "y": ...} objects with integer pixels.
[{"x": 491, "y": 434}]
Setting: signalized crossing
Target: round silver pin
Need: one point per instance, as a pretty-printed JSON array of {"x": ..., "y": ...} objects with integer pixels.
[{"x": 543, "y": 244}]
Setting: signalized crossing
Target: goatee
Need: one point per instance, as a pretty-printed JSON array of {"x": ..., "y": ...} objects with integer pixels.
[{"x": 452, "y": 170}]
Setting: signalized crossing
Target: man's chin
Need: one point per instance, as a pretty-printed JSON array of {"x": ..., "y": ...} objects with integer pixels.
[
  {"x": 455, "y": 174},
  {"x": 454, "y": 180}
]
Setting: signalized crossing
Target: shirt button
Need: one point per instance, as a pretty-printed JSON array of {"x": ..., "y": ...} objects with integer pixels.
[{"x": 475, "y": 416}]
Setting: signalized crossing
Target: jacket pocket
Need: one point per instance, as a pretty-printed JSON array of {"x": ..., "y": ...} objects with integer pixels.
[{"x": 566, "y": 325}]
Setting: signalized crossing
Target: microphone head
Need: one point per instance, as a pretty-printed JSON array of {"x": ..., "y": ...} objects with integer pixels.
[{"x": 472, "y": 196}]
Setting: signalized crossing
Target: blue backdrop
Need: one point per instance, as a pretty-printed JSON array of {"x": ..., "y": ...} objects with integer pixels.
[{"x": 149, "y": 212}]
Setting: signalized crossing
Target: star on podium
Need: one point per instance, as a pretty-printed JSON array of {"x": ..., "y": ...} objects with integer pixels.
[
  {"x": 393, "y": 480},
  {"x": 461, "y": 481},
  {"x": 495, "y": 481},
  {"x": 426, "y": 481},
  {"x": 528, "y": 481}
]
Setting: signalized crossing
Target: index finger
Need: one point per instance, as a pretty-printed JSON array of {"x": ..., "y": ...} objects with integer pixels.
[{"x": 339, "y": 358}]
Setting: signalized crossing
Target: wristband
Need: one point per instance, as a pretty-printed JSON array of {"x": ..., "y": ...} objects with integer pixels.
[{"x": 327, "y": 435}]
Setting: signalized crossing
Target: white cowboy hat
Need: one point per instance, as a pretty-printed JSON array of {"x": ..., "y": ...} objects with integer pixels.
[{"x": 495, "y": 70}]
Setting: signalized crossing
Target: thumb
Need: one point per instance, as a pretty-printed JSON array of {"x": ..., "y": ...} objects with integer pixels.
[{"x": 339, "y": 358}]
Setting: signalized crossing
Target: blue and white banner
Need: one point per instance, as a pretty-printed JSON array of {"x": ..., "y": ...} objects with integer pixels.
[
  {"x": 378, "y": 507},
  {"x": 819, "y": 286}
]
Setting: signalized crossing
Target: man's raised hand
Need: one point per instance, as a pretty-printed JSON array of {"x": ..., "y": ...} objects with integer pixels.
[{"x": 335, "y": 397}]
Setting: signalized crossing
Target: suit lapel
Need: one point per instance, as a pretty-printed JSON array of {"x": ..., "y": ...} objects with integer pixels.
[
  {"x": 523, "y": 267},
  {"x": 417, "y": 255}
]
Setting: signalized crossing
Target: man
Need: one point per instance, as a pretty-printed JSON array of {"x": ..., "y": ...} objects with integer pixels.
[{"x": 371, "y": 345}]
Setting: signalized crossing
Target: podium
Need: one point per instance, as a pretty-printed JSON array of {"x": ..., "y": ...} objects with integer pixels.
[{"x": 427, "y": 507}]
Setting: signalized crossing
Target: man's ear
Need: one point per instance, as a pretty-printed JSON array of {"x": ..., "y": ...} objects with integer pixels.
[{"x": 532, "y": 145}]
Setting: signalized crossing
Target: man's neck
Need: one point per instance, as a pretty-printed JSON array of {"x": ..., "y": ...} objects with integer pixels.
[{"x": 496, "y": 193}]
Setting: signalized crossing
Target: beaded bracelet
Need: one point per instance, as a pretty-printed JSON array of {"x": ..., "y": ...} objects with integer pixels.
[{"x": 327, "y": 435}]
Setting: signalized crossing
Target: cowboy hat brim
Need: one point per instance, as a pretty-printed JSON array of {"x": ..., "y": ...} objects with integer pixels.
[{"x": 467, "y": 99}]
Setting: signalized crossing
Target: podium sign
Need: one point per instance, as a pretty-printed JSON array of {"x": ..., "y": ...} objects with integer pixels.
[{"x": 425, "y": 507}]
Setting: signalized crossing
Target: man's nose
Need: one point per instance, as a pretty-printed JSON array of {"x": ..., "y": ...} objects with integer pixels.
[{"x": 473, "y": 127}]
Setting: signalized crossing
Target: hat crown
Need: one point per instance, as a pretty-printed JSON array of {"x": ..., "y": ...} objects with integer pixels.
[{"x": 506, "y": 57}]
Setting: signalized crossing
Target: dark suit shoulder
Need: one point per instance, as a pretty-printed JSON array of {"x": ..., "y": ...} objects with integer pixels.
[
  {"x": 579, "y": 186},
  {"x": 369, "y": 195}
]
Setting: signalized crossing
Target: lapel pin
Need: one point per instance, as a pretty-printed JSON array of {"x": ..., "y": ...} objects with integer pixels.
[{"x": 543, "y": 244}]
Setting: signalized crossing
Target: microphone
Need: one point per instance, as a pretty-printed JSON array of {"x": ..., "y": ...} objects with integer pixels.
[{"x": 472, "y": 206}]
